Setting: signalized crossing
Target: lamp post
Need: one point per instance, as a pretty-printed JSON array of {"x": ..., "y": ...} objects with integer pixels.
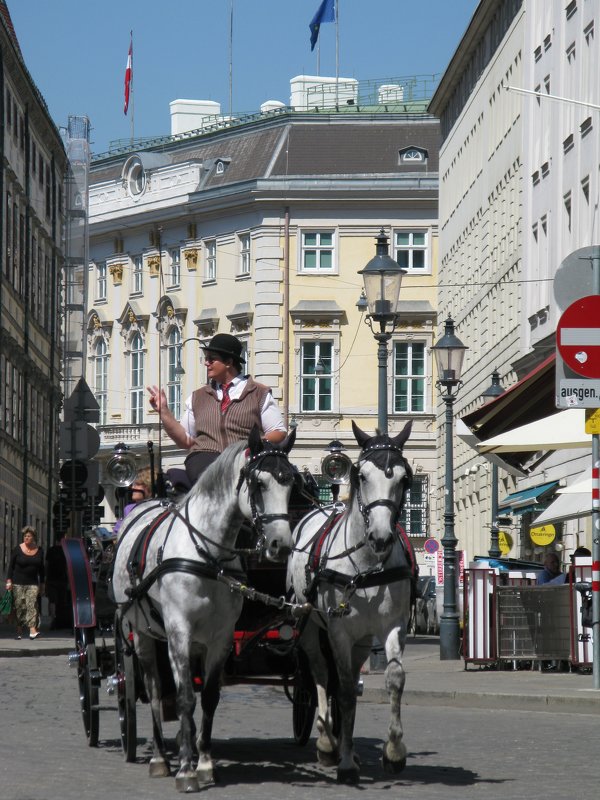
[
  {"x": 449, "y": 354},
  {"x": 494, "y": 390},
  {"x": 382, "y": 278}
]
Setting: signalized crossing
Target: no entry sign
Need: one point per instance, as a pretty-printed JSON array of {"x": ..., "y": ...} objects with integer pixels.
[{"x": 578, "y": 336}]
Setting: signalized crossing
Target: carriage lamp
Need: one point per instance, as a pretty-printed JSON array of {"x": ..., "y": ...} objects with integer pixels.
[
  {"x": 449, "y": 355},
  {"x": 382, "y": 279},
  {"x": 121, "y": 467},
  {"x": 494, "y": 390},
  {"x": 336, "y": 467}
]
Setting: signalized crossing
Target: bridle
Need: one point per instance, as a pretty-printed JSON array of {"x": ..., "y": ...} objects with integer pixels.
[
  {"x": 248, "y": 477},
  {"x": 367, "y": 455}
]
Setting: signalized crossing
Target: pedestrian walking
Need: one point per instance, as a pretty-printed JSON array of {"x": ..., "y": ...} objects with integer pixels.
[{"x": 25, "y": 578}]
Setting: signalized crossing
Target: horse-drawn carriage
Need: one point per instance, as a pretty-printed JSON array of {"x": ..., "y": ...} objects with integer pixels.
[{"x": 190, "y": 606}]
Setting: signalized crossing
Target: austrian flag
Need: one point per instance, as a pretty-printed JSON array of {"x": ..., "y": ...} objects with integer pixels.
[{"x": 128, "y": 75}]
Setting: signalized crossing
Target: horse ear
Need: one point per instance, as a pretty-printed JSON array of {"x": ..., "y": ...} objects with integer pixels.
[
  {"x": 401, "y": 438},
  {"x": 255, "y": 443},
  {"x": 288, "y": 443},
  {"x": 361, "y": 437}
]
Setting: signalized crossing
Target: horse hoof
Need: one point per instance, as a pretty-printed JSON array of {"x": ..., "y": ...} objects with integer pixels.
[
  {"x": 327, "y": 758},
  {"x": 394, "y": 765},
  {"x": 158, "y": 768},
  {"x": 187, "y": 783},
  {"x": 205, "y": 774},
  {"x": 349, "y": 777}
]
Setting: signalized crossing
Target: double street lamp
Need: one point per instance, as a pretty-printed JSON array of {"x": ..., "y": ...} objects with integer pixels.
[
  {"x": 382, "y": 279},
  {"x": 449, "y": 355},
  {"x": 494, "y": 390}
]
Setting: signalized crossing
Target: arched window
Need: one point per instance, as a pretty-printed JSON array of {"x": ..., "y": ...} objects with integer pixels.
[
  {"x": 137, "y": 380},
  {"x": 174, "y": 378},
  {"x": 101, "y": 377}
]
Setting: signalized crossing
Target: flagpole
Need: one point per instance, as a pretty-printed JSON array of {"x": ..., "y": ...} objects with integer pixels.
[
  {"x": 132, "y": 95},
  {"x": 231, "y": 59},
  {"x": 319, "y": 56},
  {"x": 337, "y": 52}
]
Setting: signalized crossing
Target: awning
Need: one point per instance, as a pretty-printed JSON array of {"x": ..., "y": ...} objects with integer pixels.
[
  {"x": 527, "y": 400},
  {"x": 573, "y": 501},
  {"x": 561, "y": 431},
  {"x": 527, "y": 499}
]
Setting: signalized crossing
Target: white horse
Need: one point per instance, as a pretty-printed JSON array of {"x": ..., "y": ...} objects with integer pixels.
[
  {"x": 170, "y": 581},
  {"x": 353, "y": 568}
]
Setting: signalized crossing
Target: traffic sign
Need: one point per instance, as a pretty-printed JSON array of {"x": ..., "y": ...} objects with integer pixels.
[
  {"x": 578, "y": 336},
  {"x": 574, "y": 277},
  {"x": 431, "y": 546}
]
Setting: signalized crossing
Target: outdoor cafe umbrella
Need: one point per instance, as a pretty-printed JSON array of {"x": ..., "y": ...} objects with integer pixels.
[{"x": 560, "y": 431}]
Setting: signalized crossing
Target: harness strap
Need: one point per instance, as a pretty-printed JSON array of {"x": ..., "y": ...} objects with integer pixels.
[
  {"x": 184, "y": 565},
  {"x": 365, "y": 580}
]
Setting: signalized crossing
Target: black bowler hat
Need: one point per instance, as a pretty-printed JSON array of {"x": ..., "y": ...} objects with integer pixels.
[{"x": 226, "y": 345}]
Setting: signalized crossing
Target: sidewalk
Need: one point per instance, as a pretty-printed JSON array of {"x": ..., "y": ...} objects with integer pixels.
[{"x": 429, "y": 681}]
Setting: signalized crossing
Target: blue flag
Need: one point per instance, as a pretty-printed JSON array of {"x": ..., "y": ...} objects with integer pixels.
[{"x": 325, "y": 13}]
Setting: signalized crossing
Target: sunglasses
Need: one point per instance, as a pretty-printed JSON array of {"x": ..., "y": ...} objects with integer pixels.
[{"x": 208, "y": 359}]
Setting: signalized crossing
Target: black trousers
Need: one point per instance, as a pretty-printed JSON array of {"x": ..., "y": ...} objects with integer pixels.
[{"x": 197, "y": 462}]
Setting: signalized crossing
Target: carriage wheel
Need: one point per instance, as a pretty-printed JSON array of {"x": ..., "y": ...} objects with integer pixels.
[
  {"x": 304, "y": 700},
  {"x": 88, "y": 678},
  {"x": 126, "y": 695}
]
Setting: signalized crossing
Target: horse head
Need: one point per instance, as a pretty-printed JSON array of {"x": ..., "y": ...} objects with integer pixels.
[
  {"x": 269, "y": 477},
  {"x": 379, "y": 481}
]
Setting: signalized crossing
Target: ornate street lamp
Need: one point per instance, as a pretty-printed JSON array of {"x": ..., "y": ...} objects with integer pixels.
[
  {"x": 494, "y": 390},
  {"x": 382, "y": 280},
  {"x": 449, "y": 355}
]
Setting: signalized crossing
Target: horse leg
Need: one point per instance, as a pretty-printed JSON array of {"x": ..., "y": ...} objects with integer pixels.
[
  {"x": 327, "y": 746},
  {"x": 211, "y": 694},
  {"x": 179, "y": 654},
  {"x": 146, "y": 651},
  {"x": 348, "y": 668},
  {"x": 394, "y": 750}
]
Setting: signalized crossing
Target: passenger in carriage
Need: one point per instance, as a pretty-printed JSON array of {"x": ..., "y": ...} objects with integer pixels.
[
  {"x": 141, "y": 489},
  {"x": 221, "y": 412}
]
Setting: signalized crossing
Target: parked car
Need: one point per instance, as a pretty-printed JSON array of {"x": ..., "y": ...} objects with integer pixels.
[{"x": 426, "y": 616}]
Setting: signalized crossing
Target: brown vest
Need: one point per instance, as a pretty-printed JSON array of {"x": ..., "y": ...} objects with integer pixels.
[{"x": 215, "y": 430}]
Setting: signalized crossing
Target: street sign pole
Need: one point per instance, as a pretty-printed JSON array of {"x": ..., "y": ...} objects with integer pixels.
[{"x": 596, "y": 522}]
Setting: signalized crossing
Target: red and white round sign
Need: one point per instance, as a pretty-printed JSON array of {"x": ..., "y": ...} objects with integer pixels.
[{"x": 578, "y": 336}]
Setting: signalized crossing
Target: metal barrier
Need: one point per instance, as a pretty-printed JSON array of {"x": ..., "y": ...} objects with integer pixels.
[
  {"x": 534, "y": 623},
  {"x": 507, "y": 617}
]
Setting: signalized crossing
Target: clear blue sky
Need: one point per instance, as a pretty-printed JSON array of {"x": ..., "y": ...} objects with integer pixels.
[{"x": 76, "y": 51}]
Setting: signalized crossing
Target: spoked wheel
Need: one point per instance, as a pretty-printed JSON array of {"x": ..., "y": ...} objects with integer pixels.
[
  {"x": 304, "y": 703},
  {"x": 126, "y": 694},
  {"x": 88, "y": 677}
]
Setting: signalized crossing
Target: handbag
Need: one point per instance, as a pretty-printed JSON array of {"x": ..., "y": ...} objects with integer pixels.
[{"x": 6, "y": 603}]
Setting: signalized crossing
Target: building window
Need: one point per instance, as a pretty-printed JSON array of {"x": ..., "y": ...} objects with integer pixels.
[
  {"x": 534, "y": 230},
  {"x": 537, "y": 53},
  {"x": 244, "y": 244},
  {"x": 317, "y": 251},
  {"x": 414, "y": 513},
  {"x": 101, "y": 378},
  {"x": 317, "y": 385},
  {"x": 589, "y": 33},
  {"x": 570, "y": 52},
  {"x": 137, "y": 275},
  {"x": 210, "y": 266},
  {"x": 173, "y": 376},
  {"x": 411, "y": 250},
  {"x": 136, "y": 395},
  {"x": 571, "y": 9},
  {"x": 548, "y": 41},
  {"x": 585, "y": 127},
  {"x": 175, "y": 266},
  {"x": 568, "y": 143},
  {"x": 545, "y": 169},
  {"x": 567, "y": 202},
  {"x": 409, "y": 377},
  {"x": 535, "y": 178},
  {"x": 101, "y": 280},
  {"x": 585, "y": 188}
]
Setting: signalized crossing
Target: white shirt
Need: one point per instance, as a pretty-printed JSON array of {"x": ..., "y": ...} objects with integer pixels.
[{"x": 270, "y": 415}]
